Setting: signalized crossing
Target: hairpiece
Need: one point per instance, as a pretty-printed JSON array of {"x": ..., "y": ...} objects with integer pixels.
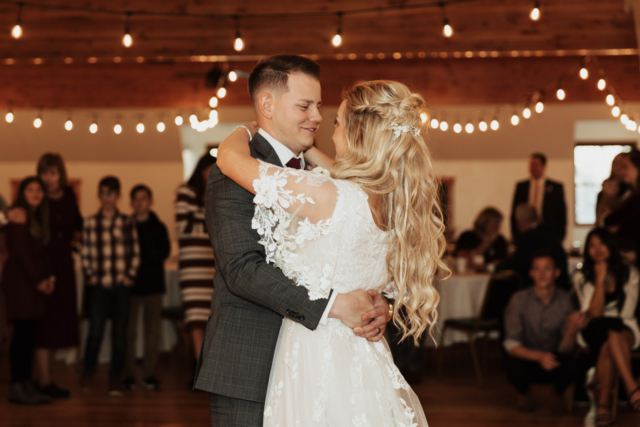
[{"x": 397, "y": 130}]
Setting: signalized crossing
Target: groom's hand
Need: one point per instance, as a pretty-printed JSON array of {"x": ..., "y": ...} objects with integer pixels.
[
  {"x": 349, "y": 308},
  {"x": 376, "y": 318}
]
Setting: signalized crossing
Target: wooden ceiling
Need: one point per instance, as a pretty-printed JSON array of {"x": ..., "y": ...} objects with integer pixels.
[{"x": 66, "y": 57}]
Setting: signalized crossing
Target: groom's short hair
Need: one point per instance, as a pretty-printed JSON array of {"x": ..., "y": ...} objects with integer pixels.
[{"x": 274, "y": 73}]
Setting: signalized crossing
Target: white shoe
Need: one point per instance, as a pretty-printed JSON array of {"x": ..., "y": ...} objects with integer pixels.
[{"x": 590, "y": 418}]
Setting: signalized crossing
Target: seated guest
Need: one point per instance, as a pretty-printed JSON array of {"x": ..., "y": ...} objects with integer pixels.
[
  {"x": 26, "y": 281},
  {"x": 485, "y": 238},
  {"x": 541, "y": 325},
  {"x": 534, "y": 237},
  {"x": 608, "y": 292},
  {"x": 614, "y": 190},
  {"x": 148, "y": 289}
]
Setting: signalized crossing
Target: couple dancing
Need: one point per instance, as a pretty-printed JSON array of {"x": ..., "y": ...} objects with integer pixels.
[{"x": 319, "y": 251}]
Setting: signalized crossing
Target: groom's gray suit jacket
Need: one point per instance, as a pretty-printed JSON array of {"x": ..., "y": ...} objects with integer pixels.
[{"x": 250, "y": 297}]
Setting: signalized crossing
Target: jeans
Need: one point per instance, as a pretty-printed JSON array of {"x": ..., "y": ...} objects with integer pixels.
[
  {"x": 102, "y": 303},
  {"x": 22, "y": 349},
  {"x": 152, "y": 309}
]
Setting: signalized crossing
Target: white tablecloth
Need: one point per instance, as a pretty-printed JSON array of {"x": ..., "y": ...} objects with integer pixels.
[{"x": 460, "y": 297}]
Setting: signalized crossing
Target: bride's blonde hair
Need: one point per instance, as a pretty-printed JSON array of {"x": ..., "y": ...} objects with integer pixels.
[{"x": 400, "y": 171}]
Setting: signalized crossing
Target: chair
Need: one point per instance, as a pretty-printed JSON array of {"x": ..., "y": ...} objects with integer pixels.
[
  {"x": 500, "y": 288},
  {"x": 616, "y": 389}
]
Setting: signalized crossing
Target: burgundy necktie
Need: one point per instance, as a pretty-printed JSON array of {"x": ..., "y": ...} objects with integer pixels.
[{"x": 294, "y": 163}]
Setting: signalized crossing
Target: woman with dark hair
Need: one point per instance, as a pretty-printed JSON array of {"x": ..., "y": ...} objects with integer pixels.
[
  {"x": 197, "y": 266},
  {"x": 625, "y": 220},
  {"x": 26, "y": 279},
  {"x": 608, "y": 292}
]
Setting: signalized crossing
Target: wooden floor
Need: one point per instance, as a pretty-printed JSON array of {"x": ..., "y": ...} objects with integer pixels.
[{"x": 452, "y": 401}]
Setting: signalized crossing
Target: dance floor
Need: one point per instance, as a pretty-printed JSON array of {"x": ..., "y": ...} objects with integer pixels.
[{"x": 455, "y": 400}]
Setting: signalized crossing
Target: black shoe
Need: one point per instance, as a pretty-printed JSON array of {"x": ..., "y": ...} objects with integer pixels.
[
  {"x": 25, "y": 393},
  {"x": 129, "y": 384},
  {"x": 55, "y": 392},
  {"x": 151, "y": 383}
]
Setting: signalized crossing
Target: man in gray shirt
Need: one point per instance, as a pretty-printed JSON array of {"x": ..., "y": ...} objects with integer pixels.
[{"x": 541, "y": 324}]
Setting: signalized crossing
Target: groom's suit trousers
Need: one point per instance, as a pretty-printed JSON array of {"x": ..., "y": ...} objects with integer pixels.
[{"x": 229, "y": 412}]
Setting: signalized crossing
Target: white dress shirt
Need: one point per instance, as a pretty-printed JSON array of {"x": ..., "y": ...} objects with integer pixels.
[
  {"x": 285, "y": 154},
  {"x": 538, "y": 184}
]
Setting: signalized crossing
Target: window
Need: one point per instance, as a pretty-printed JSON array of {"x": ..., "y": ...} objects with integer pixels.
[{"x": 592, "y": 165}]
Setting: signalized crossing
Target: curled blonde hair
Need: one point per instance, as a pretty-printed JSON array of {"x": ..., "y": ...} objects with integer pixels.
[{"x": 400, "y": 171}]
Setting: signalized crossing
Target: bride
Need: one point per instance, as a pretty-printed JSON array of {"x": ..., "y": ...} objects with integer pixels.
[{"x": 374, "y": 224}]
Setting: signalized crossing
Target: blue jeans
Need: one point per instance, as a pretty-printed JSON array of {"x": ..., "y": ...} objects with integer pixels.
[{"x": 104, "y": 303}]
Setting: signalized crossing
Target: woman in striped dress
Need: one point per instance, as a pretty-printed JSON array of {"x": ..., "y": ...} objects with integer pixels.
[{"x": 197, "y": 265}]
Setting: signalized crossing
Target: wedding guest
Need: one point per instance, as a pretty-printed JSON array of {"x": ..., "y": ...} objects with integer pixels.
[
  {"x": 545, "y": 195},
  {"x": 110, "y": 259},
  {"x": 26, "y": 281},
  {"x": 608, "y": 292},
  {"x": 625, "y": 221},
  {"x": 148, "y": 289},
  {"x": 541, "y": 325},
  {"x": 485, "y": 239},
  {"x": 535, "y": 236},
  {"x": 197, "y": 266},
  {"x": 614, "y": 189}
]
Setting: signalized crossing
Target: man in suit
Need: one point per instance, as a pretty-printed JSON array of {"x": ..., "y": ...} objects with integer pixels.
[
  {"x": 535, "y": 237},
  {"x": 545, "y": 195},
  {"x": 250, "y": 296}
]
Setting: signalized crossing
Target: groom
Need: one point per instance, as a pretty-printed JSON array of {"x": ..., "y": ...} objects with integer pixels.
[{"x": 251, "y": 297}]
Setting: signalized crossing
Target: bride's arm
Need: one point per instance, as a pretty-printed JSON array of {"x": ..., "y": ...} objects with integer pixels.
[
  {"x": 235, "y": 161},
  {"x": 316, "y": 157}
]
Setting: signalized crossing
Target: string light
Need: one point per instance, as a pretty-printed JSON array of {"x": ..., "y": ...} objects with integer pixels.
[
  {"x": 16, "y": 31},
  {"x": 424, "y": 118},
  {"x": 140, "y": 127},
  {"x": 539, "y": 107},
  {"x": 222, "y": 92},
  {"x": 160, "y": 126},
  {"x": 238, "y": 43},
  {"x": 447, "y": 30},
  {"x": 233, "y": 76},
  {"x": 632, "y": 125},
  {"x": 434, "y": 123},
  {"x": 117, "y": 129},
  {"x": 444, "y": 125},
  {"x": 179, "y": 120},
  {"x": 68, "y": 125},
  {"x": 213, "y": 102},
  {"x": 584, "y": 73},
  {"x": 94, "y": 127},
  {"x": 624, "y": 118},
  {"x": 560, "y": 94},
  {"x": 37, "y": 123},
  {"x": 127, "y": 40},
  {"x": 515, "y": 119},
  {"x": 336, "y": 41},
  {"x": 457, "y": 127},
  {"x": 615, "y": 111},
  {"x": 9, "y": 117},
  {"x": 495, "y": 124},
  {"x": 535, "y": 12},
  {"x": 526, "y": 113},
  {"x": 483, "y": 126},
  {"x": 602, "y": 84},
  {"x": 469, "y": 128},
  {"x": 610, "y": 99}
]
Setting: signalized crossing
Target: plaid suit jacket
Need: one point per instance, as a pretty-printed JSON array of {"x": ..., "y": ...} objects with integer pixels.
[{"x": 250, "y": 298}]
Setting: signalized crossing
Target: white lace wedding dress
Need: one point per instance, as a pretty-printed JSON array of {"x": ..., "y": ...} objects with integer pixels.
[{"x": 321, "y": 234}]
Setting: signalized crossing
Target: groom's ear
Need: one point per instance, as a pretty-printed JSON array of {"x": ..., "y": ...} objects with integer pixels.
[{"x": 265, "y": 105}]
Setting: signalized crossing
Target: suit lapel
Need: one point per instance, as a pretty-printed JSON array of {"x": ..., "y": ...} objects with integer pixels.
[{"x": 263, "y": 147}]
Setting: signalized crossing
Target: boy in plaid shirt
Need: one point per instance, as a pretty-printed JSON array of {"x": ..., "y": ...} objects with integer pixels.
[{"x": 110, "y": 259}]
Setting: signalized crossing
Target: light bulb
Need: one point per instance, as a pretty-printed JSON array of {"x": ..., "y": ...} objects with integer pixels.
[
  {"x": 238, "y": 44},
  {"x": 632, "y": 125},
  {"x": 495, "y": 124},
  {"x": 447, "y": 31},
  {"x": 117, "y": 129},
  {"x": 179, "y": 120},
  {"x": 560, "y": 94},
  {"x": 222, "y": 92},
  {"x": 127, "y": 40},
  {"x": 539, "y": 107},
  {"x": 615, "y": 111},
  {"x": 434, "y": 123},
  {"x": 526, "y": 113},
  {"x": 16, "y": 31},
  {"x": 424, "y": 117},
  {"x": 584, "y": 73},
  {"x": 213, "y": 152},
  {"x": 233, "y": 76},
  {"x": 160, "y": 127},
  {"x": 610, "y": 99},
  {"x": 9, "y": 117},
  {"x": 515, "y": 120},
  {"x": 140, "y": 127},
  {"x": 37, "y": 123},
  {"x": 535, "y": 12},
  {"x": 444, "y": 126},
  {"x": 602, "y": 84},
  {"x": 624, "y": 118},
  {"x": 193, "y": 119},
  {"x": 469, "y": 128},
  {"x": 213, "y": 102},
  {"x": 483, "y": 126},
  {"x": 457, "y": 128},
  {"x": 336, "y": 41},
  {"x": 68, "y": 125},
  {"x": 213, "y": 115},
  {"x": 93, "y": 128}
]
